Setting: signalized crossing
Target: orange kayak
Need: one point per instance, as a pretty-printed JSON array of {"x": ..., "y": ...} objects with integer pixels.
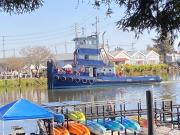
[
  {"x": 78, "y": 129},
  {"x": 142, "y": 121},
  {"x": 60, "y": 131}
]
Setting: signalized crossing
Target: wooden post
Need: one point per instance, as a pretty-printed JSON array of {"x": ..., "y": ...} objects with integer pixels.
[{"x": 149, "y": 112}]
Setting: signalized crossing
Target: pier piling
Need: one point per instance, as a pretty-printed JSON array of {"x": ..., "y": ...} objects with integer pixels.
[{"x": 149, "y": 112}]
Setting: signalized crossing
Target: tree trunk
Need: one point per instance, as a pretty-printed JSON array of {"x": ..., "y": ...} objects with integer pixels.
[{"x": 164, "y": 57}]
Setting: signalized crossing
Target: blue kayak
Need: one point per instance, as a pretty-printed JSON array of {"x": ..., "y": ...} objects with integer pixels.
[
  {"x": 58, "y": 118},
  {"x": 112, "y": 125},
  {"x": 129, "y": 124},
  {"x": 95, "y": 127}
]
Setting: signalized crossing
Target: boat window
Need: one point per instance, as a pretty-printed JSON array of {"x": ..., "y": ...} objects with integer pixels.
[
  {"x": 86, "y": 69},
  {"x": 86, "y": 57}
]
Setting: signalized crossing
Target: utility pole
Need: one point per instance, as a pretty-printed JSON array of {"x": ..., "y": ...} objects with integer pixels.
[
  {"x": 14, "y": 52},
  {"x": 132, "y": 46},
  {"x": 65, "y": 45},
  {"x": 82, "y": 31},
  {"x": 55, "y": 50},
  {"x": 3, "y": 50}
]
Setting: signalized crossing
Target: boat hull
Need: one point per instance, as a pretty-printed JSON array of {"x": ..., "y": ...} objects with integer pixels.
[
  {"x": 85, "y": 81},
  {"x": 68, "y": 81}
]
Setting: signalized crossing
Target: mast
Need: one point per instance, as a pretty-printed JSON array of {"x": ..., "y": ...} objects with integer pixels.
[{"x": 97, "y": 21}]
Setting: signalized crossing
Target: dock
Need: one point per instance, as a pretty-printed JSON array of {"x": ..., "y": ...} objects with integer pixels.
[{"x": 166, "y": 114}]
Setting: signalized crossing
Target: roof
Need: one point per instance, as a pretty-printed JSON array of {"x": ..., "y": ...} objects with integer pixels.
[
  {"x": 64, "y": 56},
  {"x": 23, "y": 109},
  {"x": 115, "y": 52},
  {"x": 119, "y": 59}
]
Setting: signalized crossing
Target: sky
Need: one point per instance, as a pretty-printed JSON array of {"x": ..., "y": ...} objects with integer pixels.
[{"x": 53, "y": 26}]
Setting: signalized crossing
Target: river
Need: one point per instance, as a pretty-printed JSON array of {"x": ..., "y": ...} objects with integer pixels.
[{"x": 130, "y": 93}]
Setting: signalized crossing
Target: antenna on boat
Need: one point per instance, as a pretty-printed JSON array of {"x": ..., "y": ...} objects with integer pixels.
[
  {"x": 83, "y": 31},
  {"x": 103, "y": 38},
  {"x": 97, "y": 21},
  {"x": 102, "y": 47},
  {"x": 76, "y": 30}
]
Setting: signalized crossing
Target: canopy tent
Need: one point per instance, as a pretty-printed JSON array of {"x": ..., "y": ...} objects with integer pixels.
[
  {"x": 67, "y": 66},
  {"x": 23, "y": 109}
]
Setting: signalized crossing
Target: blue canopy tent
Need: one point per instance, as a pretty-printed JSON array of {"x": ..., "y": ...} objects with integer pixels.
[{"x": 23, "y": 109}]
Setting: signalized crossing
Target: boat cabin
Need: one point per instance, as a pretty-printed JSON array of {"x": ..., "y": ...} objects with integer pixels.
[{"x": 87, "y": 56}]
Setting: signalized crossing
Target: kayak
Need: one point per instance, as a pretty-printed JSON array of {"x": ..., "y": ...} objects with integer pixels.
[
  {"x": 58, "y": 118},
  {"x": 112, "y": 125},
  {"x": 129, "y": 124},
  {"x": 60, "y": 130},
  {"x": 78, "y": 129},
  {"x": 95, "y": 127},
  {"x": 142, "y": 121},
  {"x": 76, "y": 116}
]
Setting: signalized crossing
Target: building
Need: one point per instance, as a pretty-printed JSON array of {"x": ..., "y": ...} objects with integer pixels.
[
  {"x": 152, "y": 57},
  {"x": 135, "y": 57}
]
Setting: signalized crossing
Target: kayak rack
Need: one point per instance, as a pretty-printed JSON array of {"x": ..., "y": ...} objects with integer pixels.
[{"x": 164, "y": 112}]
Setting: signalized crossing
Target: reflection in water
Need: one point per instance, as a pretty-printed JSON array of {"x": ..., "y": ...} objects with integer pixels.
[
  {"x": 130, "y": 93},
  {"x": 86, "y": 95},
  {"x": 34, "y": 94}
]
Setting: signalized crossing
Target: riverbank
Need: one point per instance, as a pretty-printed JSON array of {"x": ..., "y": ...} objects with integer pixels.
[{"x": 23, "y": 82}]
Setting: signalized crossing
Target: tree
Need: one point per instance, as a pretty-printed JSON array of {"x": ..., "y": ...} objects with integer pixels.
[
  {"x": 13, "y": 63},
  {"x": 19, "y": 6},
  {"x": 160, "y": 15},
  {"x": 163, "y": 47},
  {"x": 36, "y": 55}
]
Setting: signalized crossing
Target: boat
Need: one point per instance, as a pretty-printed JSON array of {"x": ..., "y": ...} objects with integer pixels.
[
  {"x": 112, "y": 125},
  {"x": 77, "y": 129},
  {"x": 129, "y": 124},
  {"x": 60, "y": 130},
  {"x": 142, "y": 121},
  {"x": 89, "y": 69},
  {"x": 76, "y": 116},
  {"x": 95, "y": 127},
  {"x": 58, "y": 118}
]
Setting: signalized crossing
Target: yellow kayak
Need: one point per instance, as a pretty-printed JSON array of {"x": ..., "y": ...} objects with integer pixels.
[{"x": 77, "y": 116}]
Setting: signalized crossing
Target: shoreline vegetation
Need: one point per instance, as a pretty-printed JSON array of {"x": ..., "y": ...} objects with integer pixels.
[
  {"x": 23, "y": 83},
  {"x": 123, "y": 70},
  {"x": 140, "y": 70}
]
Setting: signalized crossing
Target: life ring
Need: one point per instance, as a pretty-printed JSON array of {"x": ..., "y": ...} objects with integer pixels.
[
  {"x": 70, "y": 79},
  {"x": 77, "y": 80},
  {"x": 57, "y": 77},
  {"x": 63, "y": 78},
  {"x": 91, "y": 81},
  {"x": 84, "y": 81}
]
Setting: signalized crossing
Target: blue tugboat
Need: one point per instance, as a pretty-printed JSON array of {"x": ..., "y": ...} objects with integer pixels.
[{"x": 88, "y": 69}]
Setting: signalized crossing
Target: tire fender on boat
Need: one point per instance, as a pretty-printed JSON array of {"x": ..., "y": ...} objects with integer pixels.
[
  {"x": 77, "y": 80},
  {"x": 84, "y": 81},
  {"x": 57, "y": 77},
  {"x": 70, "y": 79},
  {"x": 91, "y": 81},
  {"x": 63, "y": 78}
]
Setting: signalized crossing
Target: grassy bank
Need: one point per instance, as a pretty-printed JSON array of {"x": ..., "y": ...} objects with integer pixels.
[
  {"x": 135, "y": 70},
  {"x": 23, "y": 82}
]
